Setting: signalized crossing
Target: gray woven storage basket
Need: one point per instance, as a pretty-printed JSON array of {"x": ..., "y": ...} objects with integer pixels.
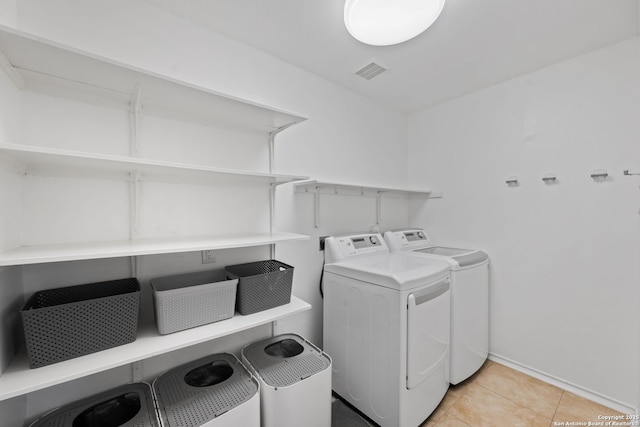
[
  {"x": 130, "y": 405},
  {"x": 262, "y": 285},
  {"x": 198, "y": 392},
  {"x": 63, "y": 323},
  {"x": 188, "y": 300},
  {"x": 285, "y": 359}
]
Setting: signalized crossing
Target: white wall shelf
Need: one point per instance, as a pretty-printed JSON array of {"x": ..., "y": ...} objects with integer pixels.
[
  {"x": 322, "y": 187},
  {"x": 18, "y": 379},
  {"x": 42, "y": 161},
  {"x": 96, "y": 250},
  {"x": 30, "y": 160},
  {"x": 45, "y": 66}
]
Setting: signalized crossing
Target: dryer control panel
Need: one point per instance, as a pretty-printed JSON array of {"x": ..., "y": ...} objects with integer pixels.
[
  {"x": 341, "y": 247},
  {"x": 407, "y": 239}
]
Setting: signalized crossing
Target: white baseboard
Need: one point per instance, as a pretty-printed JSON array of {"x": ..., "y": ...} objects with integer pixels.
[{"x": 566, "y": 385}]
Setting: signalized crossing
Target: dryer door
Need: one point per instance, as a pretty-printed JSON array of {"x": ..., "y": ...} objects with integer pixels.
[{"x": 428, "y": 327}]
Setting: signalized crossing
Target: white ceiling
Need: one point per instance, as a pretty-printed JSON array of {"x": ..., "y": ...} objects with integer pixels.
[{"x": 474, "y": 43}]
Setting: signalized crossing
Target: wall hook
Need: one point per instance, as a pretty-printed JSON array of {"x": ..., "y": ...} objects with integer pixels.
[
  {"x": 599, "y": 175},
  {"x": 512, "y": 181},
  {"x": 550, "y": 178}
]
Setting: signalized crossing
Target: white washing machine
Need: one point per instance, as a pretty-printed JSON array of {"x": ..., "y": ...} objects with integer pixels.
[
  {"x": 386, "y": 328},
  {"x": 469, "y": 297}
]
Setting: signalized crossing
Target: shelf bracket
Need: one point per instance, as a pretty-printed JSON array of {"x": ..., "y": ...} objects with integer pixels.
[
  {"x": 136, "y": 372},
  {"x": 135, "y": 181},
  {"x": 379, "y": 207},
  {"x": 11, "y": 72},
  {"x": 316, "y": 209},
  {"x": 272, "y": 145},
  {"x": 272, "y": 188},
  {"x": 272, "y": 216},
  {"x": 272, "y": 206},
  {"x": 135, "y": 109},
  {"x": 13, "y": 165}
]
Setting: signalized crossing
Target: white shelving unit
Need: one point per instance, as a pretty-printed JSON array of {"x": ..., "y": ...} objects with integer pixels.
[
  {"x": 317, "y": 188},
  {"x": 40, "y": 66},
  {"x": 18, "y": 379},
  {"x": 44, "y": 66},
  {"x": 79, "y": 251},
  {"x": 28, "y": 160},
  {"x": 310, "y": 185}
]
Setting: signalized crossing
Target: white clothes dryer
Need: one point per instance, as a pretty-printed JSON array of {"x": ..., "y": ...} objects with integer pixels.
[
  {"x": 469, "y": 297},
  {"x": 386, "y": 328}
]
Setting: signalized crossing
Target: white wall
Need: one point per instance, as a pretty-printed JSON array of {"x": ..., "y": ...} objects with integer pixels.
[
  {"x": 8, "y": 12},
  {"x": 564, "y": 257}
]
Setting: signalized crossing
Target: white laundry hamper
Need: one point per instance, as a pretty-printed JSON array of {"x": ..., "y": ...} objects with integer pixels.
[
  {"x": 215, "y": 391},
  {"x": 295, "y": 381}
]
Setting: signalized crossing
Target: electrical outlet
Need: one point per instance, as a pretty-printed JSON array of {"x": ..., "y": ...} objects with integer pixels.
[
  {"x": 321, "y": 242},
  {"x": 208, "y": 257}
]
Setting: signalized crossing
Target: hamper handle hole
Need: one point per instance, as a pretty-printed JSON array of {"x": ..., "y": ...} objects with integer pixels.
[
  {"x": 285, "y": 348},
  {"x": 111, "y": 413},
  {"x": 209, "y": 374}
]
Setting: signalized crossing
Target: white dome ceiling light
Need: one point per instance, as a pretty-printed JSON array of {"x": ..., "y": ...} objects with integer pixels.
[{"x": 389, "y": 22}]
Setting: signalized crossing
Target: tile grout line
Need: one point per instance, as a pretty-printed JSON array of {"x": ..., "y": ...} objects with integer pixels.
[
  {"x": 520, "y": 404},
  {"x": 462, "y": 421},
  {"x": 446, "y": 412},
  {"x": 558, "y": 406}
]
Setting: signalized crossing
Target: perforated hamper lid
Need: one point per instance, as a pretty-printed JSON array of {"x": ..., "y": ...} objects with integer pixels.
[
  {"x": 130, "y": 405},
  {"x": 285, "y": 359},
  {"x": 198, "y": 392}
]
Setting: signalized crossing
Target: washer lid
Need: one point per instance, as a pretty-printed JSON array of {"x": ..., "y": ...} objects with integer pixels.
[
  {"x": 398, "y": 271},
  {"x": 463, "y": 257}
]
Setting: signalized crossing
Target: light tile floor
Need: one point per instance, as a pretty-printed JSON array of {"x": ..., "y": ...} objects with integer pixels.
[{"x": 497, "y": 396}]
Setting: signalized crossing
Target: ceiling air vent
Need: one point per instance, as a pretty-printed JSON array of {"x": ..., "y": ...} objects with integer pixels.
[{"x": 370, "y": 70}]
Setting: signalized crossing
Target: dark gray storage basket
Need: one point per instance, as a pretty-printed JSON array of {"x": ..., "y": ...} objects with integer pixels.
[
  {"x": 198, "y": 392},
  {"x": 262, "y": 285},
  {"x": 63, "y": 323},
  {"x": 130, "y": 405},
  {"x": 285, "y": 360},
  {"x": 193, "y": 299}
]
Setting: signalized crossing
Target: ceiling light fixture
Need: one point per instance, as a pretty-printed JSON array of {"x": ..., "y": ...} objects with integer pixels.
[{"x": 389, "y": 22}]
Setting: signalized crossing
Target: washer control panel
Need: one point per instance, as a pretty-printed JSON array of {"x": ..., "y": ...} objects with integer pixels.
[
  {"x": 364, "y": 242},
  {"x": 341, "y": 247},
  {"x": 406, "y": 239}
]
